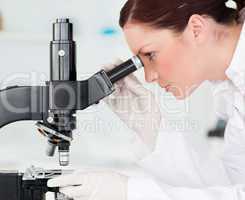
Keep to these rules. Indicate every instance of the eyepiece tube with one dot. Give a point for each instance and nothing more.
(125, 69)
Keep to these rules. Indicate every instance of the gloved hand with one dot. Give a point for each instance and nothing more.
(136, 107)
(98, 185)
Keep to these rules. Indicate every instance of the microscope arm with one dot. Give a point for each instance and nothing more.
(22, 103)
(79, 95)
(32, 102)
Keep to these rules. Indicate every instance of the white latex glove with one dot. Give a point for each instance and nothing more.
(135, 106)
(98, 185)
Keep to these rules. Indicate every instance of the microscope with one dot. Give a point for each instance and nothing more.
(53, 107)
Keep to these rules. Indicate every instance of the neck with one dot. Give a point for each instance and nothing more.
(227, 42)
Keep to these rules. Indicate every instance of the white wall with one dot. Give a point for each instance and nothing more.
(100, 138)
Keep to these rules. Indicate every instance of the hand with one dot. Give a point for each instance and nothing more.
(99, 185)
(136, 107)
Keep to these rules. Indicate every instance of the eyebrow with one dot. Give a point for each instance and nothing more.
(139, 52)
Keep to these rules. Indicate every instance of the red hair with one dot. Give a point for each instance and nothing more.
(175, 14)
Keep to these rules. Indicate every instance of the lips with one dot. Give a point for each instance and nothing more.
(167, 87)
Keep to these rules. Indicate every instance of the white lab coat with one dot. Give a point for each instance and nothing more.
(192, 182)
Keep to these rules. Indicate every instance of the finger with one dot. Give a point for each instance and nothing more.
(73, 192)
(135, 86)
(118, 61)
(112, 65)
(65, 180)
(108, 67)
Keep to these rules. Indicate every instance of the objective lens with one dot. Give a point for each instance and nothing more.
(64, 157)
(50, 150)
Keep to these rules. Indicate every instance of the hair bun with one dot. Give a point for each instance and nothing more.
(240, 4)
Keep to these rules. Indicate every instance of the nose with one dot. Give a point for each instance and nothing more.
(150, 75)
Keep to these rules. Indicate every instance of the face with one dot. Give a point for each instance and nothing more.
(171, 60)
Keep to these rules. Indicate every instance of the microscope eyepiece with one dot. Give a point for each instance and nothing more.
(62, 30)
(137, 62)
(62, 20)
(125, 69)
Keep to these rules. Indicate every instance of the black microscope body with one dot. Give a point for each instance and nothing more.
(54, 105)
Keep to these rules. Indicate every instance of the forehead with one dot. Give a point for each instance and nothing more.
(139, 35)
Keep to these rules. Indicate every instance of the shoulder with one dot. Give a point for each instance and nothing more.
(224, 96)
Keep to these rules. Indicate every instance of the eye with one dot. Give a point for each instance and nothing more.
(151, 56)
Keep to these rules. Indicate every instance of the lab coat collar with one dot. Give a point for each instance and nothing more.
(236, 70)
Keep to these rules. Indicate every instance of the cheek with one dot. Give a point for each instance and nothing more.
(165, 68)
(169, 64)
(177, 67)
(176, 64)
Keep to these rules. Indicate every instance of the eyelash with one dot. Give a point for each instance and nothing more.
(150, 56)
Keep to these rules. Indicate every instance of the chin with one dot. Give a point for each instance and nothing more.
(182, 95)
(179, 97)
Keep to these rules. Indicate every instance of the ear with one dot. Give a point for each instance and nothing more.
(197, 28)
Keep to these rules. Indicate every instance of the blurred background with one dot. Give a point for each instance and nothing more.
(101, 138)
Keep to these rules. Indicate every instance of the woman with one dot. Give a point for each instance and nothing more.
(181, 43)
